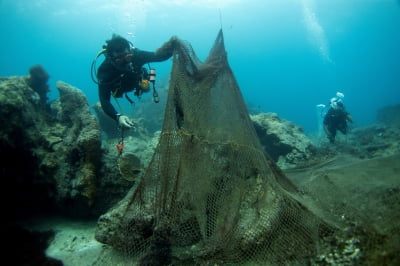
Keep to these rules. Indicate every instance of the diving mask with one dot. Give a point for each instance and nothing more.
(126, 58)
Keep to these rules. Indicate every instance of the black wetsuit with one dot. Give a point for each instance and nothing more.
(113, 80)
(335, 119)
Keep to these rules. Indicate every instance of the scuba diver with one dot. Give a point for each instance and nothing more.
(336, 119)
(122, 71)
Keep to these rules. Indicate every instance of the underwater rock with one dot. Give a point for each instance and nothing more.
(109, 224)
(282, 140)
(54, 161)
(22, 120)
(107, 124)
(389, 115)
(372, 141)
(37, 80)
(30, 249)
(76, 151)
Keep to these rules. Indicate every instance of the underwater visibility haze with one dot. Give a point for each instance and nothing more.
(288, 56)
(215, 186)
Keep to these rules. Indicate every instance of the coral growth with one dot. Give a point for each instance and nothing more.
(37, 80)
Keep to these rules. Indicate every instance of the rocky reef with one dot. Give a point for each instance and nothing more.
(282, 140)
(370, 141)
(60, 157)
(389, 115)
(37, 80)
(53, 159)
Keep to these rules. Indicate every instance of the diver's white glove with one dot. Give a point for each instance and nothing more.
(124, 122)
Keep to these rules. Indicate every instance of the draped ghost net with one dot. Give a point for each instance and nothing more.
(210, 194)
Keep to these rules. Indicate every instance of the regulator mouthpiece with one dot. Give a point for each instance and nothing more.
(155, 97)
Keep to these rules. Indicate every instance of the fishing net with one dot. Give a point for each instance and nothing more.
(210, 195)
(129, 166)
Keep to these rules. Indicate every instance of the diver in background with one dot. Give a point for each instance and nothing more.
(336, 119)
(122, 71)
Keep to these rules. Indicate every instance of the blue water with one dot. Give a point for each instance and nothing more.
(287, 55)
